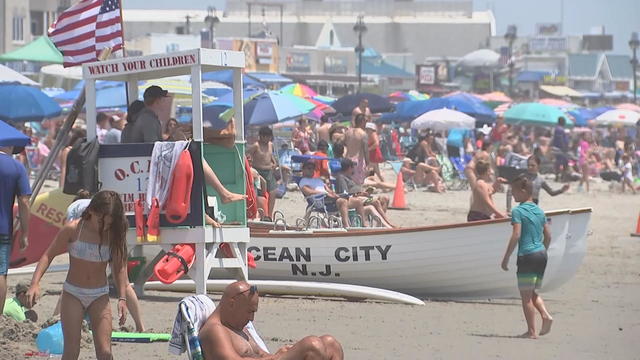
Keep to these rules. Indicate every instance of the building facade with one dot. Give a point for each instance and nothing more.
(22, 21)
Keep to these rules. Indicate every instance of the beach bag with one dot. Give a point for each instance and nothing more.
(82, 168)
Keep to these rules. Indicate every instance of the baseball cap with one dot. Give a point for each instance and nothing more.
(370, 126)
(154, 92)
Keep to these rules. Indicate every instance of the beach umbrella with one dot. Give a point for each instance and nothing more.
(412, 95)
(480, 58)
(10, 136)
(583, 115)
(26, 103)
(502, 108)
(215, 89)
(628, 106)
(534, 114)
(218, 112)
(325, 99)
(226, 77)
(443, 119)
(496, 96)
(11, 76)
(273, 106)
(298, 89)
(558, 103)
(618, 117)
(377, 103)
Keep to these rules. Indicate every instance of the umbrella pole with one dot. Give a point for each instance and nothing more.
(62, 137)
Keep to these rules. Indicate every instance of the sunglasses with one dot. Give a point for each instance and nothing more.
(252, 290)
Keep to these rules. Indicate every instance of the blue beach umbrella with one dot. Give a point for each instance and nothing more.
(273, 107)
(10, 136)
(20, 103)
(534, 114)
(226, 77)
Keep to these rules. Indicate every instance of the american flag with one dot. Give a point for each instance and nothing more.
(85, 29)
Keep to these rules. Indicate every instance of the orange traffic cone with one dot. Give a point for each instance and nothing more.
(637, 233)
(399, 202)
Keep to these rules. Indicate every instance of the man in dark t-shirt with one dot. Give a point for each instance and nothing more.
(148, 127)
(14, 182)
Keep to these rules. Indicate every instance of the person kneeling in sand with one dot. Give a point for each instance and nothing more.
(223, 335)
(18, 307)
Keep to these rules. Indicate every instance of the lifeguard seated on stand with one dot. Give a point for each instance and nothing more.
(147, 128)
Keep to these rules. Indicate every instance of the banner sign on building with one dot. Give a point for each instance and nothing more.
(298, 62)
(426, 74)
(548, 29)
(335, 64)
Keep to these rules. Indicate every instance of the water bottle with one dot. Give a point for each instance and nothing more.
(50, 339)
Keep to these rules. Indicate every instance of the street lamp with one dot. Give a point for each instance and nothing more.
(634, 43)
(360, 28)
(510, 36)
(212, 20)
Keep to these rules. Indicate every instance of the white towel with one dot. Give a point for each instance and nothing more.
(198, 309)
(163, 160)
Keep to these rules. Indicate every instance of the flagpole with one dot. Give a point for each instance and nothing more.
(124, 53)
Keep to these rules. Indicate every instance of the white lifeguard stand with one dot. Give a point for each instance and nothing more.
(122, 167)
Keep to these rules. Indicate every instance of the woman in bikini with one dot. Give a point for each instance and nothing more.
(93, 241)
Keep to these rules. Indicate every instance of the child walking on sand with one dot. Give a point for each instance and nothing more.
(529, 229)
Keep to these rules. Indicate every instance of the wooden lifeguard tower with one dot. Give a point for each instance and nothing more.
(124, 167)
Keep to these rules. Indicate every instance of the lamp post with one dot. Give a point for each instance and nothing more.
(211, 19)
(634, 43)
(360, 28)
(510, 36)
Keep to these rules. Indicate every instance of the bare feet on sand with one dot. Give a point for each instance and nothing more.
(230, 197)
(528, 335)
(546, 326)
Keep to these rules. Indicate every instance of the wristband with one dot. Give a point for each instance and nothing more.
(123, 299)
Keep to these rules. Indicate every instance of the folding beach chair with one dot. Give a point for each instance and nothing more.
(188, 323)
(462, 182)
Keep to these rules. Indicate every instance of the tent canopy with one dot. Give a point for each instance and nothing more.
(41, 50)
(560, 91)
(10, 75)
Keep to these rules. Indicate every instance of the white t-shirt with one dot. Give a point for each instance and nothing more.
(315, 183)
(626, 171)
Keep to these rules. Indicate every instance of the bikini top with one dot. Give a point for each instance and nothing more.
(89, 251)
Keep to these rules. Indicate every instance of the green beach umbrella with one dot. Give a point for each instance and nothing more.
(535, 114)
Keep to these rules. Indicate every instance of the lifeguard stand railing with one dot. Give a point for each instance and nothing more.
(124, 167)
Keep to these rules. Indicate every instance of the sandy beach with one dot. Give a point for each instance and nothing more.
(596, 314)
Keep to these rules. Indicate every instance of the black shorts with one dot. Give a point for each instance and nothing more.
(531, 270)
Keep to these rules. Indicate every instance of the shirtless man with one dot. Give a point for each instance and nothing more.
(323, 129)
(265, 163)
(362, 108)
(223, 335)
(356, 142)
(482, 205)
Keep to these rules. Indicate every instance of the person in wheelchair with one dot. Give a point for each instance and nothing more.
(323, 198)
(375, 206)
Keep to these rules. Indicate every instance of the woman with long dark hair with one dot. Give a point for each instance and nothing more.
(93, 241)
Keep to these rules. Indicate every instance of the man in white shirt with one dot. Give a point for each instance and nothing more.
(311, 186)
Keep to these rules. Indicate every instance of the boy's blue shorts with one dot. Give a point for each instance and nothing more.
(5, 253)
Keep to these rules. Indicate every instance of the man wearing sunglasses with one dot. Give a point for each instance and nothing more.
(223, 335)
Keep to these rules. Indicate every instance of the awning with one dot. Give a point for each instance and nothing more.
(74, 72)
(560, 91)
(41, 50)
(270, 78)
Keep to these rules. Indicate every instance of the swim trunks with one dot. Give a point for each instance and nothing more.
(477, 216)
(270, 178)
(531, 270)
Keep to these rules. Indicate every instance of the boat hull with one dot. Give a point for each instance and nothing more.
(440, 262)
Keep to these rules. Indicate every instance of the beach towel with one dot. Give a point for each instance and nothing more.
(163, 160)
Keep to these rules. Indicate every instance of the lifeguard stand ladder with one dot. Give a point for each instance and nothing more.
(124, 167)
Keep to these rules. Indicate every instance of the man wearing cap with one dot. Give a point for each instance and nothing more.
(148, 127)
(14, 182)
(17, 307)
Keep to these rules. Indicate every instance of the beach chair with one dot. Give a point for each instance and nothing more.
(193, 311)
(448, 172)
(462, 183)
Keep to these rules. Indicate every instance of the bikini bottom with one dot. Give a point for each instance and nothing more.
(84, 295)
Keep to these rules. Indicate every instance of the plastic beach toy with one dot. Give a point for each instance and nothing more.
(50, 339)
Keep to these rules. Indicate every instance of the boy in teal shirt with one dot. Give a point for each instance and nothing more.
(529, 229)
(15, 307)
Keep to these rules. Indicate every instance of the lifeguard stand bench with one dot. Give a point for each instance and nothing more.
(124, 167)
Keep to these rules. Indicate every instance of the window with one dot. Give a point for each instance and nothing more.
(37, 23)
(18, 28)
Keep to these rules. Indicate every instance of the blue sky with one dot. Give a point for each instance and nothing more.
(619, 17)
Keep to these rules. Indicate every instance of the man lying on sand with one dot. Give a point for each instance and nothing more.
(223, 336)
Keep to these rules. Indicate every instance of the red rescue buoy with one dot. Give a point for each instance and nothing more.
(175, 263)
(176, 208)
